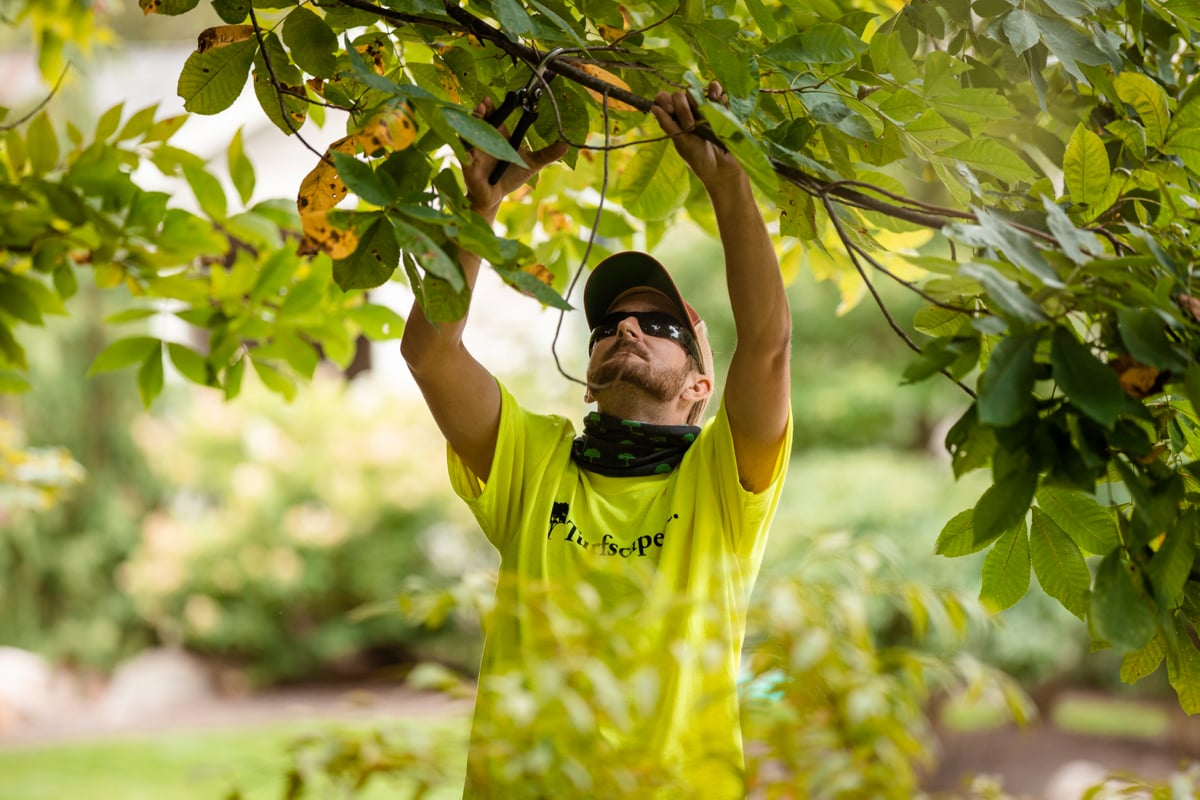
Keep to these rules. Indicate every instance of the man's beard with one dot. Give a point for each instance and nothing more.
(660, 383)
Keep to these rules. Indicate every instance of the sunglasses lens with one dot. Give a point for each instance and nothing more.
(652, 323)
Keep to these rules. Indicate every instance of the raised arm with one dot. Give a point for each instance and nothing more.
(460, 392)
(758, 388)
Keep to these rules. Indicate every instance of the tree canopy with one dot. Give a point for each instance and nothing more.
(1029, 169)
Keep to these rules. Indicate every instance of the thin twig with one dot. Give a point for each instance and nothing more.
(278, 86)
(586, 254)
(57, 85)
(852, 251)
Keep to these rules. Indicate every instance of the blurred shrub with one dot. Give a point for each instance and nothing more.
(291, 529)
(57, 587)
(32, 478)
(834, 709)
(829, 710)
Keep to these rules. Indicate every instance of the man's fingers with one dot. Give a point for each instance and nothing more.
(547, 155)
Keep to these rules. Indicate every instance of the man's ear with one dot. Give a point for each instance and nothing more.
(701, 388)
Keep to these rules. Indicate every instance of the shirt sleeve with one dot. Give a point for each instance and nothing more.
(747, 514)
(525, 445)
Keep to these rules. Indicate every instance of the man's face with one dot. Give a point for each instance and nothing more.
(658, 366)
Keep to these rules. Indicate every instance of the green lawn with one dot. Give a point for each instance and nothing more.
(206, 765)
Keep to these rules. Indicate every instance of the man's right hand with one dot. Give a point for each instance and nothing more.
(485, 198)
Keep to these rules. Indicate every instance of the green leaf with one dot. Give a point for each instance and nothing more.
(212, 80)
(513, 17)
(42, 143)
(764, 18)
(372, 262)
(173, 8)
(279, 89)
(1071, 47)
(1004, 505)
(1006, 570)
(124, 352)
(232, 11)
(190, 364)
(1191, 385)
(479, 134)
(1183, 669)
(1149, 100)
(1120, 611)
(560, 23)
(241, 171)
(16, 301)
(958, 536)
(1079, 246)
(1144, 333)
(542, 292)
(1140, 663)
(1089, 524)
(377, 322)
(1005, 391)
(938, 321)
(429, 255)
(1085, 167)
(823, 43)
(139, 124)
(1059, 564)
(150, 377)
(275, 380)
(362, 180)
(1171, 565)
(109, 121)
(233, 378)
(301, 356)
(1185, 143)
(1004, 292)
(11, 351)
(991, 157)
(654, 183)
(312, 42)
(1091, 386)
(208, 191)
(1021, 29)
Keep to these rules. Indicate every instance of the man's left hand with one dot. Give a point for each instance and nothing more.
(678, 117)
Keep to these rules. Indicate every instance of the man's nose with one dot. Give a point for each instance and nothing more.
(629, 327)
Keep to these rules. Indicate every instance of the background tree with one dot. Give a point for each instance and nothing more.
(1028, 170)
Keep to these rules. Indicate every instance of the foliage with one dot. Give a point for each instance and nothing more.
(57, 566)
(32, 478)
(836, 710)
(286, 541)
(829, 711)
(1040, 158)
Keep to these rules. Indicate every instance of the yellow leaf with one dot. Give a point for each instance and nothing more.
(611, 33)
(372, 54)
(222, 35)
(393, 129)
(109, 276)
(554, 221)
(321, 188)
(607, 77)
(321, 237)
(540, 272)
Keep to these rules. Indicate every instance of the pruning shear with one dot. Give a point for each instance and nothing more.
(527, 97)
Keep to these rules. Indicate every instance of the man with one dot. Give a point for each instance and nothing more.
(638, 540)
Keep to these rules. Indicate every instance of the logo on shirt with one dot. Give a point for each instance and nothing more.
(563, 529)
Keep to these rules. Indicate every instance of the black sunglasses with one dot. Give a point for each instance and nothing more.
(652, 323)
